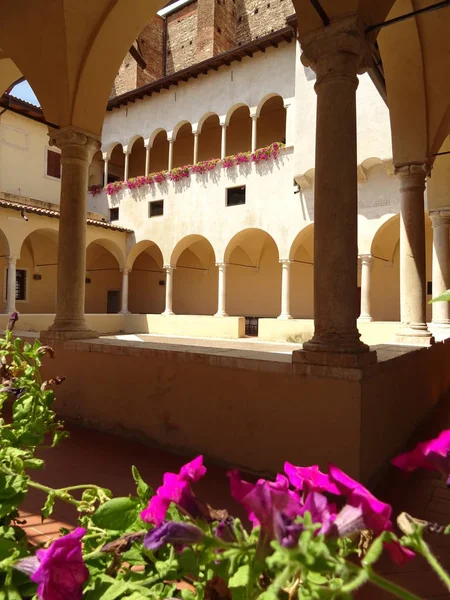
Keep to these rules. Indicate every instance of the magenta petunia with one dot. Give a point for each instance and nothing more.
(173, 532)
(264, 499)
(59, 571)
(321, 510)
(375, 514)
(433, 454)
(310, 479)
(176, 488)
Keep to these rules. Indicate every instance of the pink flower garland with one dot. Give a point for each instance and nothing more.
(179, 173)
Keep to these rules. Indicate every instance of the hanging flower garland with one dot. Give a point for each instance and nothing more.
(177, 174)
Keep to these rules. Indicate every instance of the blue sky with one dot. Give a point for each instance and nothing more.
(24, 92)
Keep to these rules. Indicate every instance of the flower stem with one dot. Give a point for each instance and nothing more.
(425, 550)
(390, 587)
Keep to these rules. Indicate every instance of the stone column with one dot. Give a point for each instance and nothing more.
(169, 166)
(195, 160)
(147, 157)
(169, 289)
(289, 132)
(125, 276)
(77, 148)
(285, 289)
(413, 291)
(441, 265)
(11, 285)
(105, 169)
(125, 169)
(254, 131)
(222, 290)
(366, 267)
(337, 54)
(223, 145)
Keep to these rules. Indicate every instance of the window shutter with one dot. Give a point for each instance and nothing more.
(53, 164)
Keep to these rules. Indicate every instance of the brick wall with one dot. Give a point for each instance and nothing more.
(197, 32)
(181, 39)
(257, 18)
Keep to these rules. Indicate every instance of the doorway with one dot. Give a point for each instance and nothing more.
(113, 301)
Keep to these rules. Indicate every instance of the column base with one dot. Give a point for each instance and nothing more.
(285, 317)
(69, 330)
(365, 318)
(335, 359)
(414, 337)
(221, 314)
(168, 313)
(444, 324)
(124, 312)
(336, 343)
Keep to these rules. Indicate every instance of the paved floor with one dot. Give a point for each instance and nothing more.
(97, 457)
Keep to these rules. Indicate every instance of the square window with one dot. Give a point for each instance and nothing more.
(113, 214)
(156, 209)
(236, 196)
(53, 164)
(21, 284)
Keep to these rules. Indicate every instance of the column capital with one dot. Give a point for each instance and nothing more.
(223, 121)
(75, 142)
(125, 270)
(285, 261)
(412, 175)
(222, 265)
(105, 156)
(366, 259)
(12, 259)
(169, 268)
(440, 217)
(337, 51)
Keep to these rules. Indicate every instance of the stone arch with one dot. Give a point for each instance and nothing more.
(39, 259)
(210, 136)
(147, 278)
(301, 255)
(178, 126)
(104, 260)
(96, 169)
(195, 278)
(239, 129)
(136, 159)
(116, 162)
(253, 274)
(271, 121)
(183, 144)
(159, 153)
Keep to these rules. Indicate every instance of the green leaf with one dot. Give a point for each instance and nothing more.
(11, 485)
(47, 509)
(33, 463)
(105, 588)
(144, 491)
(445, 297)
(117, 514)
(10, 592)
(240, 578)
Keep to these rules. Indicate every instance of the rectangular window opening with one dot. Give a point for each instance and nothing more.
(156, 208)
(236, 196)
(53, 164)
(21, 284)
(113, 214)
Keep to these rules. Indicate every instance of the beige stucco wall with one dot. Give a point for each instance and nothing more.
(186, 325)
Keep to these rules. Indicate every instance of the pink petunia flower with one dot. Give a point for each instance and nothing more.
(310, 479)
(433, 454)
(59, 571)
(176, 488)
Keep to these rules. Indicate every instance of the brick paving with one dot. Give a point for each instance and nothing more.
(98, 457)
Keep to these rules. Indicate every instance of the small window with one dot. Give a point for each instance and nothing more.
(21, 284)
(53, 164)
(236, 196)
(156, 209)
(429, 288)
(113, 214)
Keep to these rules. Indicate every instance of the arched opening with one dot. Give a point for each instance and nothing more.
(239, 131)
(146, 293)
(36, 272)
(159, 153)
(136, 160)
(116, 164)
(271, 122)
(103, 278)
(195, 278)
(96, 169)
(302, 274)
(183, 146)
(209, 139)
(253, 275)
(385, 273)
